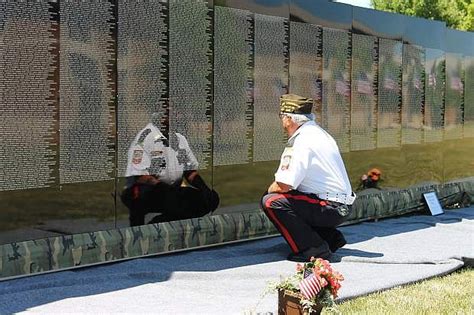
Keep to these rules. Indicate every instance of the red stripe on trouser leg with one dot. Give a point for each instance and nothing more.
(281, 227)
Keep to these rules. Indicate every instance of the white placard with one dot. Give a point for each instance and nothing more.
(433, 203)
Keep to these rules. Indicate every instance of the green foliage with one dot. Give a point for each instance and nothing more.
(458, 14)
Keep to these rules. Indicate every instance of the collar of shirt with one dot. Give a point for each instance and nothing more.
(155, 129)
(297, 132)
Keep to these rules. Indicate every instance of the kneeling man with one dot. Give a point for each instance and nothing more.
(311, 194)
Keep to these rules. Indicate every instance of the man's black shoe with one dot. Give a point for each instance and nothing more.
(333, 237)
(339, 242)
(305, 255)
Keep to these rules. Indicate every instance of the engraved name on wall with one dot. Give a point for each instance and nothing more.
(233, 86)
(28, 100)
(142, 69)
(413, 89)
(87, 93)
(364, 92)
(306, 62)
(453, 115)
(336, 86)
(434, 95)
(389, 93)
(271, 81)
(190, 74)
(469, 97)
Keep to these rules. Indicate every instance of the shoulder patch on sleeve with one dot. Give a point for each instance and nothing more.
(137, 156)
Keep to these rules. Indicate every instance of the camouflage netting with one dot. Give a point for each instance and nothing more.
(69, 251)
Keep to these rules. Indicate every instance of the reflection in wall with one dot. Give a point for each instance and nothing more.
(271, 81)
(454, 97)
(190, 74)
(389, 92)
(28, 108)
(434, 95)
(468, 97)
(412, 94)
(87, 106)
(306, 62)
(336, 86)
(79, 80)
(233, 86)
(142, 69)
(364, 92)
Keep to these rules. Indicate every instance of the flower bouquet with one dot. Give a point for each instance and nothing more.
(314, 286)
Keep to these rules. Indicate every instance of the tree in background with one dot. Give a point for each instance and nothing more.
(458, 14)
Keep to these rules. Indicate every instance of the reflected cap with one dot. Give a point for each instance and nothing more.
(295, 104)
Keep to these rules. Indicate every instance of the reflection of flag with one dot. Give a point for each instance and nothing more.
(456, 84)
(342, 88)
(364, 87)
(390, 84)
(431, 79)
(310, 286)
(417, 84)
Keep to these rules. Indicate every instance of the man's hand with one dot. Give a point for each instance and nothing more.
(277, 187)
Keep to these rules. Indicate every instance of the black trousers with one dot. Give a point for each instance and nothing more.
(304, 220)
(173, 202)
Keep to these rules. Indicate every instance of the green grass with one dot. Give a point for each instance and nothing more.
(451, 294)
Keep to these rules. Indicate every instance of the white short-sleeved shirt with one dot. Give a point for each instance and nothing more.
(150, 154)
(311, 163)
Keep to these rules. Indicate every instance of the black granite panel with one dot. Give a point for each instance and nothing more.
(87, 88)
(453, 111)
(459, 42)
(322, 12)
(306, 62)
(389, 93)
(336, 98)
(364, 92)
(271, 81)
(413, 89)
(468, 96)
(233, 85)
(267, 7)
(435, 78)
(143, 70)
(425, 33)
(378, 23)
(190, 74)
(28, 99)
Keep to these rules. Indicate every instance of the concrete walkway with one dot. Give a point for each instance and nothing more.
(231, 279)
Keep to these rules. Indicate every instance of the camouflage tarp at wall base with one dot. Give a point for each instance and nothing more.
(373, 203)
(68, 251)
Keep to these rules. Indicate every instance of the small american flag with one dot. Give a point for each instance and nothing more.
(309, 286)
(364, 87)
(431, 79)
(456, 84)
(342, 87)
(390, 84)
(417, 83)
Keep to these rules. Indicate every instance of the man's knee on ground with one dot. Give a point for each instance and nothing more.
(272, 201)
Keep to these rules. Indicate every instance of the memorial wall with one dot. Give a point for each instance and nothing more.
(83, 80)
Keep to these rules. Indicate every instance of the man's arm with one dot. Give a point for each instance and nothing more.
(277, 187)
(148, 180)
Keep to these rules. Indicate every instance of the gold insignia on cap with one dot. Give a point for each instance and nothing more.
(295, 104)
